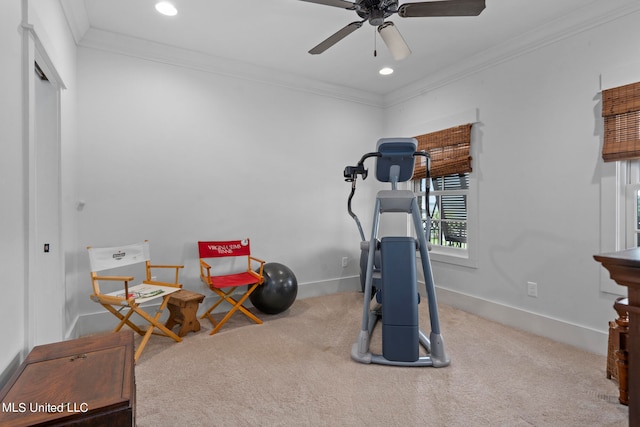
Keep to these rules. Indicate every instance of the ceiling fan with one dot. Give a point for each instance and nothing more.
(376, 11)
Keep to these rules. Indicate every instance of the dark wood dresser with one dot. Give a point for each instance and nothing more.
(624, 268)
(84, 382)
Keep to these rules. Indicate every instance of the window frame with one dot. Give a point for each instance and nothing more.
(466, 257)
(443, 254)
(629, 220)
(617, 226)
(614, 193)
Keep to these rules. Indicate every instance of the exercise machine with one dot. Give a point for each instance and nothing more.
(389, 274)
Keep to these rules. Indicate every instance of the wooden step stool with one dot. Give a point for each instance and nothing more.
(183, 309)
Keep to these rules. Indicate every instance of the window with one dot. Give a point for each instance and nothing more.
(447, 208)
(621, 112)
(450, 204)
(631, 218)
(621, 144)
(634, 226)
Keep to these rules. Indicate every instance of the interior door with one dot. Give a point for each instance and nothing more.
(46, 287)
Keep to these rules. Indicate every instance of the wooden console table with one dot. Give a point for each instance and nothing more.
(84, 382)
(624, 268)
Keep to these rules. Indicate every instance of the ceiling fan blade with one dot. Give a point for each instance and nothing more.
(336, 3)
(394, 41)
(442, 8)
(336, 37)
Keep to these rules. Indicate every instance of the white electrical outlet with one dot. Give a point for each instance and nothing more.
(345, 261)
(532, 289)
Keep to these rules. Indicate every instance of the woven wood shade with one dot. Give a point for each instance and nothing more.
(621, 112)
(449, 151)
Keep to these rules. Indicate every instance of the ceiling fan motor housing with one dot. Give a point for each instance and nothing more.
(376, 11)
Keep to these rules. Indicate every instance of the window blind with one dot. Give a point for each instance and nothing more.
(448, 149)
(621, 112)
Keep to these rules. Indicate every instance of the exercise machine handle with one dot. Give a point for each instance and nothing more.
(351, 172)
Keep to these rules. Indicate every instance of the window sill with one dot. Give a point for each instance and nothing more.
(453, 256)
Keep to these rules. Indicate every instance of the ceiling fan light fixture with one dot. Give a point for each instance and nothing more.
(166, 8)
(385, 71)
(394, 41)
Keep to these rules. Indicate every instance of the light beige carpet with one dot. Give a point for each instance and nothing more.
(295, 370)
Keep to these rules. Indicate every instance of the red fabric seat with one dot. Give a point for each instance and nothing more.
(233, 280)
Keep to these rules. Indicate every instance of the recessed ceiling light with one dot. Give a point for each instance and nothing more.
(386, 71)
(166, 8)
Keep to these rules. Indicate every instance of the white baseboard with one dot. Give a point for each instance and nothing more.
(103, 321)
(326, 287)
(588, 339)
(72, 331)
(578, 336)
(10, 369)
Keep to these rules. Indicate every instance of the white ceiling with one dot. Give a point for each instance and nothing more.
(277, 34)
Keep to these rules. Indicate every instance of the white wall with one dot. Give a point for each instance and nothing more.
(176, 155)
(12, 181)
(539, 172)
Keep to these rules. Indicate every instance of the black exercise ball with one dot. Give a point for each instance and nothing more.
(278, 291)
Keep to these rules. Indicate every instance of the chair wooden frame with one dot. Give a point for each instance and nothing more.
(225, 284)
(129, 298)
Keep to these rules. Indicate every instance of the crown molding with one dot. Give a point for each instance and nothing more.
(86, 36)
(157, 52)
(592, 15)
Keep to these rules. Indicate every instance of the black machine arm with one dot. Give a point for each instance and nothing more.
(351, 213)
(350, 175)
(428, 173)
(351, 172)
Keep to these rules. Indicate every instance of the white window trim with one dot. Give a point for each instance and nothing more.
(631, 207)
(615, 209)
(627, 184)
(458, 256)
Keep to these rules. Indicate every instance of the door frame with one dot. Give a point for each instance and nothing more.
(34, 51)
